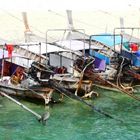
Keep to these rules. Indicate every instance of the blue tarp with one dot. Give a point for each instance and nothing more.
(99, 64)
(108, 39)
(100, 56)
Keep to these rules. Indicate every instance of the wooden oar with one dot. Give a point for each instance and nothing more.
(62, 90)
(40, 118)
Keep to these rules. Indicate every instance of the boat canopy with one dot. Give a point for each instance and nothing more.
(76, 45)
(59, 46)
(108, 39)
(44, 48)
(52, 48)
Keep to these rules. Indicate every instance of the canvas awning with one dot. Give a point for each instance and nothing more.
(76, 45)
(108, 39)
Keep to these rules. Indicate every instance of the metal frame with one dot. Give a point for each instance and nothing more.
(107, 35)
(60, 30)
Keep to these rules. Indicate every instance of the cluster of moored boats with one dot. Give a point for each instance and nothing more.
(70, 69)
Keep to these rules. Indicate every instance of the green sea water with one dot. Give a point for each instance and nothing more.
(72, 120)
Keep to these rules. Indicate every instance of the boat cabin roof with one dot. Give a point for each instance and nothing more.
(76, 45)
(108, 39)
(60, 46)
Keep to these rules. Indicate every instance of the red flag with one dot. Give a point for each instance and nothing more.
(10, 49)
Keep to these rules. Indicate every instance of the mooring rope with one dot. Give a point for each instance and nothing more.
(124, 91)
(82, 74)
(92, 75)
(119, 78)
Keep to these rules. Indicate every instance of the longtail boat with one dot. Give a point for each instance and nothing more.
(15, 82)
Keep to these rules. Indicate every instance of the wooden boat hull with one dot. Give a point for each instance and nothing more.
(73, 84)
(43, 96)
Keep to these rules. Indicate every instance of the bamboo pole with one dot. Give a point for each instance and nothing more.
(2, 70)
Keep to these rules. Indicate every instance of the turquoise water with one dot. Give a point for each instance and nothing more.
(71, 120)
